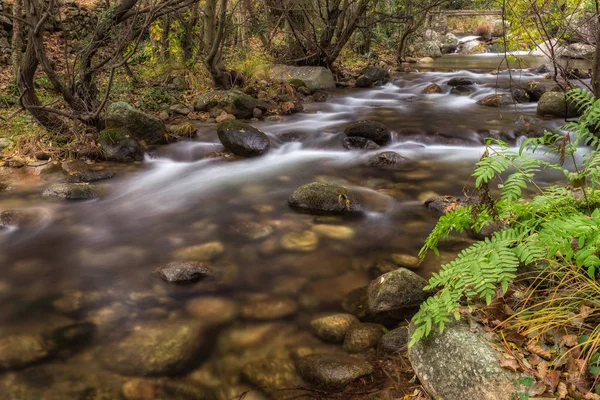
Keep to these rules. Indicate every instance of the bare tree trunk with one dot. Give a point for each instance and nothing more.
(164, 39)
(596, 65)
(187, 42)
(17, 37)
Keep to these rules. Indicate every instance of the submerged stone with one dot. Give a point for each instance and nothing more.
(154, 349)
(305, 241)
(184, 272)
(361, 337)
(269, 308)
(20, 351)
(319, 197)
(201, 252)
(71, 191)
(332, 372)
(372, 130)
(389, 160)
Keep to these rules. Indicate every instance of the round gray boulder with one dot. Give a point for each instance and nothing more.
(396, 294)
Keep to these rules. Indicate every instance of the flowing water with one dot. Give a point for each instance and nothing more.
(93, 261)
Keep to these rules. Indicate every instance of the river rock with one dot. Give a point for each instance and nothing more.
(371, 76)
(356, 302)
(580, 51)
(529, 127)
(333, 328)
(542, 69)
(116, 146)
(428, 48)
(212, 310)
(450, 38)
(201, 252)
(554, 104)
(320, 96)
(269, 308)
(80, 171)
(234, 101)
(154, 349)
(18, 218)
(443, 204)
(339, 232)
(389, 160)
(135, 123)
(332, 372)
(315, 78)
(460, 364)
(359, 143)
(432, 88)
(535, 90)
(462, 90)
(62, 381)
(406, 260)
(520, 95)
(372, 130)
(362, 337)
(394, 343)
(305, 241)
(496, 100)
(319, 197)
(71, 191)
(460, 82)
(397, 293)
(22, 350)
(272, 374)
(242, 139)
(179, 109)
(184, 271)
(251, 230)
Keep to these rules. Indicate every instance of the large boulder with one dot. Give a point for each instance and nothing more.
(372, 130)
(460, 81)
(429, 48)
(319, 197)
(554, 104)
(578, 51)
(432, 88)
(396, 294)
(372, 76)
(473, 47)
(242, 139)
(460, 364)
(234, 102)
(80, 171)
(315, 78)
(117, 146)
(135, 123)
(154, 349)
(359, 143)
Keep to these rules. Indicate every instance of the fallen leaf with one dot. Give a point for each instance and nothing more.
(551, 380)
(562, 390)
(515, 337)
(591, 396)
(509, 363)
(542, 369)
(585, 311)
(536, 349)
(569, 340)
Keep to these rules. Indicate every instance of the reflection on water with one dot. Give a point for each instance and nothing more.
(79, 297)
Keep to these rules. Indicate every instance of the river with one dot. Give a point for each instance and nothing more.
(89, 266)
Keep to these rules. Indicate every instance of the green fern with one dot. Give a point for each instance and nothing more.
(560, 223)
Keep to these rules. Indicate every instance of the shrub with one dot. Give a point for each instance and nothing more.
(483, 29)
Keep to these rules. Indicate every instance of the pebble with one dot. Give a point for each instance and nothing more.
(334, 231)
(305, 241)
(212, 310)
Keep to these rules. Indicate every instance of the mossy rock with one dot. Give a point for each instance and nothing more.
(117, 146)
(135, 123)
(296, 83)
(234, 101)
(72, 191)
(554, 104)
(496, 100)
(329, 198)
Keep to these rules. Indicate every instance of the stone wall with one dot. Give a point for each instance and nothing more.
(71, 19)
